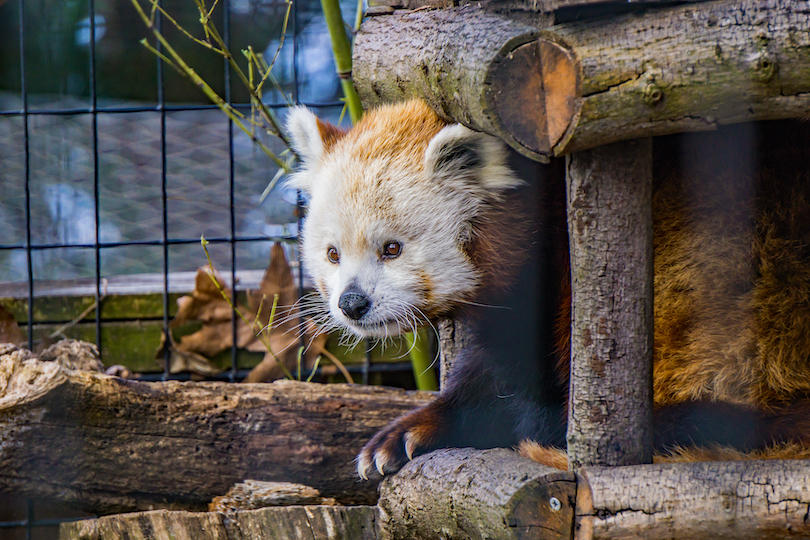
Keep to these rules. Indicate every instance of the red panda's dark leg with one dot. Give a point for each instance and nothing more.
(494, 399)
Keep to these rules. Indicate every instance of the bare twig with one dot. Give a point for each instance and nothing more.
(60, 331)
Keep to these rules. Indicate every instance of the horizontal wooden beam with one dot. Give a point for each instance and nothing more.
(106, 444)
(540, 6)
(552, 90)
(734, 500)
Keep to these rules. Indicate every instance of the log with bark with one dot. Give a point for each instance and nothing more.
(464, 493)
(106, 444)
(554, 89)
(721, 500)
(542, 6)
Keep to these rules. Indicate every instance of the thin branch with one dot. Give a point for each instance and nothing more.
(60, 331)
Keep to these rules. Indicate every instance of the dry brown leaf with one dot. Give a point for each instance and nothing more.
(206, 304)
(285, 341)
(180, 361)
(9, 330)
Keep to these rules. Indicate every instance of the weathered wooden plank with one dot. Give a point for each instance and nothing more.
(315, 522)
(133, 284)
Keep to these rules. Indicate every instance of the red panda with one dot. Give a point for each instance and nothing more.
(411, 219)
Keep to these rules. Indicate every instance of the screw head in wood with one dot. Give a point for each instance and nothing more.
(555, 504)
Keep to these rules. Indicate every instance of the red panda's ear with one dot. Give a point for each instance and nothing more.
(470, 161)
(309, 136)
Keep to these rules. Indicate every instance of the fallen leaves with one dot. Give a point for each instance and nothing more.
(9, 330)
(210, 303)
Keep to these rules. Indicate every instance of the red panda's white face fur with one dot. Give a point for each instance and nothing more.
(392, 207)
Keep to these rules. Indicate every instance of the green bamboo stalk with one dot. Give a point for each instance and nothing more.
(342, 50)
(421, 360)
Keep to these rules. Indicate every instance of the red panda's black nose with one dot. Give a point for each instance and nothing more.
(354, 304)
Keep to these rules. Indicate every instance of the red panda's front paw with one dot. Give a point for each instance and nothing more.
(413, 434)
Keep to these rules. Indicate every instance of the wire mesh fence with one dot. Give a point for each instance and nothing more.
(112, 167)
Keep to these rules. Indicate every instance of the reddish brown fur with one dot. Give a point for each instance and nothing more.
(557, 458)
(329, 134)
(496, 255)
(388, 137)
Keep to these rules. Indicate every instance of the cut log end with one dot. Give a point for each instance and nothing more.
(533, 91)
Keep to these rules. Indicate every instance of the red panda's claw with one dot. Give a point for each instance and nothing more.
(413, 434)
(385, 453)
(363, 463)
(380, 461)
(410, 445)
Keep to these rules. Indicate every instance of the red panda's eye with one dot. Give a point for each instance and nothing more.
(333, 255)
(391, 250)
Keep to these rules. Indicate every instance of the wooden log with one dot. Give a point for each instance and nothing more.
(477, 494)
(542, 6)
(109, 445)
(454, 336)
(611, 239)
(721, 500)
(551, 90)
(316, 522)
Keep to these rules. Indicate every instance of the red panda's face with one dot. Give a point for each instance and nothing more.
(389, 222)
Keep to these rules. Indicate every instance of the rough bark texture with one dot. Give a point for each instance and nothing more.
(543, 6)
(610, 231)
(723, 500)
(685, 68)
(454, 336)
(108, 445)
(476, 494)
(253, 494)
(315, 522)
(464, 493)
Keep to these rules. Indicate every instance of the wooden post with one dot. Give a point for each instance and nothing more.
(610, 230)
(454, 336)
